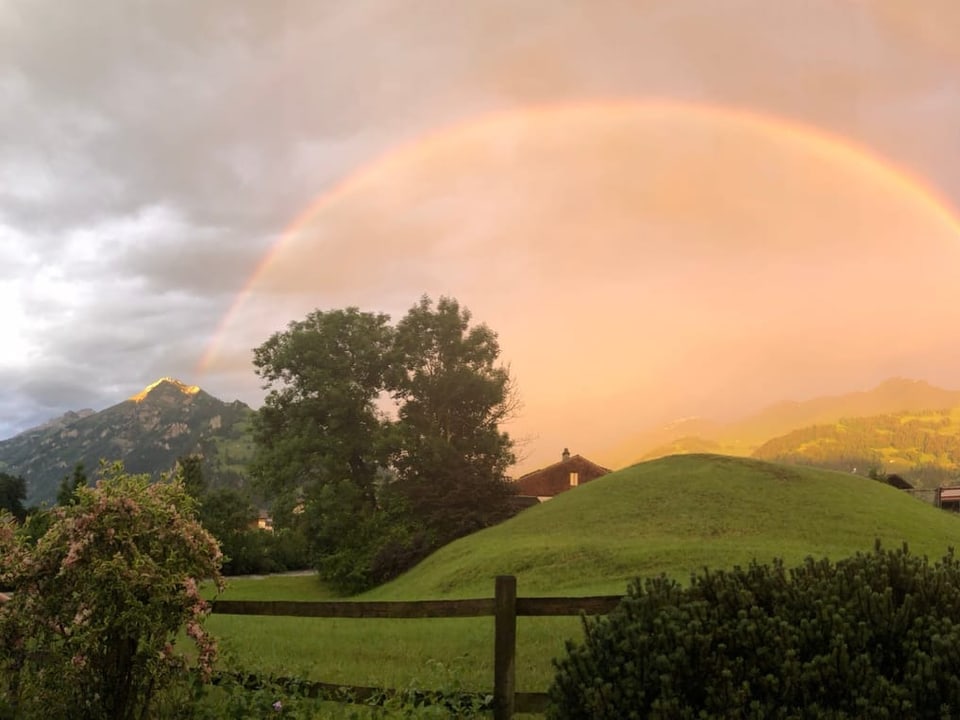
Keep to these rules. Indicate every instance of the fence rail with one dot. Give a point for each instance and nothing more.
(505, 607)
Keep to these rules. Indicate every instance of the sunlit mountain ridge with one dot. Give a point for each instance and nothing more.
(920, 445)
(746, 435)
(148, 432)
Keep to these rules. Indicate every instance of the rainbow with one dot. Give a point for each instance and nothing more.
(507, 123)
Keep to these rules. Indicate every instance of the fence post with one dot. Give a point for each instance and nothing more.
(504, 647)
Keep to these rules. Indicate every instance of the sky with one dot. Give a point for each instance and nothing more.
(665, 208)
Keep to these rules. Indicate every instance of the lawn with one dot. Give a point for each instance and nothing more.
(673, 515)
(436, 654)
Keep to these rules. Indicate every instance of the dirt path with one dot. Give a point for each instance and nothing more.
(292, 573)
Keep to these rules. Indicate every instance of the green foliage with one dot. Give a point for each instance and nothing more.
(225, 512)
(243, 695)
(319, 434)
(350, 538)
(98, 603)
(452, 460)
(874, 635)
(319, 422)
(377, 494)
(343, 526)
(67, 494)
(13, 492)
(230, 516)
(191, 470)
(35, 526)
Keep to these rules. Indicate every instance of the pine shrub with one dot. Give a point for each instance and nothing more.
(876, 635)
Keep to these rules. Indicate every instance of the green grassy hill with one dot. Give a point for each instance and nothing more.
(676, 515)
(672, 515)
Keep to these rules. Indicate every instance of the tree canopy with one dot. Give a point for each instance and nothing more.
(13, 491)
(67, 493)
(319, 423)
(388, 436)
(452, 396)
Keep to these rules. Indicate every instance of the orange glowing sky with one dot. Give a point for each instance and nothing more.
(641, 261)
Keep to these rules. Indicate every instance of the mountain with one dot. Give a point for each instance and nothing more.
(892, 396)
(923, 446)
(744, 436)
(147, 431)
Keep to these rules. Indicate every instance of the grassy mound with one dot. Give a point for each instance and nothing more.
(676, 515)
(673, 515)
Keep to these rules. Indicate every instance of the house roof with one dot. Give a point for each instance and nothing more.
(579, 460)
(553, 479)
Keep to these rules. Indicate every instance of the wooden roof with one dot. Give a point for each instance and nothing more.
(554, 479)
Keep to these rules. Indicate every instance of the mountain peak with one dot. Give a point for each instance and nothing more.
(148, 432)
(182, 387)
(898, 383)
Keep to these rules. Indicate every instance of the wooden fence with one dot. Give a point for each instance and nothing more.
(505, 607)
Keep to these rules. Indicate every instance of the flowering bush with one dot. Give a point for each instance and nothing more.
(91, 628)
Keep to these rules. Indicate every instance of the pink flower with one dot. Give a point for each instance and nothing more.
(190, 585)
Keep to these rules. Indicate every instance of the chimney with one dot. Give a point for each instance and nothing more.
(566, 454)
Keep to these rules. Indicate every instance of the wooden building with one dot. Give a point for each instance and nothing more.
(570, 472)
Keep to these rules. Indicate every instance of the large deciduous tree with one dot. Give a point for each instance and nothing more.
(377, 491)
(320, 436)
(452, 396)
(320, 424)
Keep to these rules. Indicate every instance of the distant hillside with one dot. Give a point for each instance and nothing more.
(676, 515)
(893, 396)
(744, 436)
(148, 431)
(922, 446)
(686, 446)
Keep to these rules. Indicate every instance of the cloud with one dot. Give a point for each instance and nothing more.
(152, 153)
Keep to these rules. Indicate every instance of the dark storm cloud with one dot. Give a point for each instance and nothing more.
(168, 101)
(46, 392)
(197, 105)
(198, 261)
(111, 355)
(130, 334)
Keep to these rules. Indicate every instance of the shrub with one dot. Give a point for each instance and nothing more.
(876, 635)
(92, 626)
(401, 549)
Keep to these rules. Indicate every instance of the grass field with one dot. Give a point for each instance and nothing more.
(674, 516)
